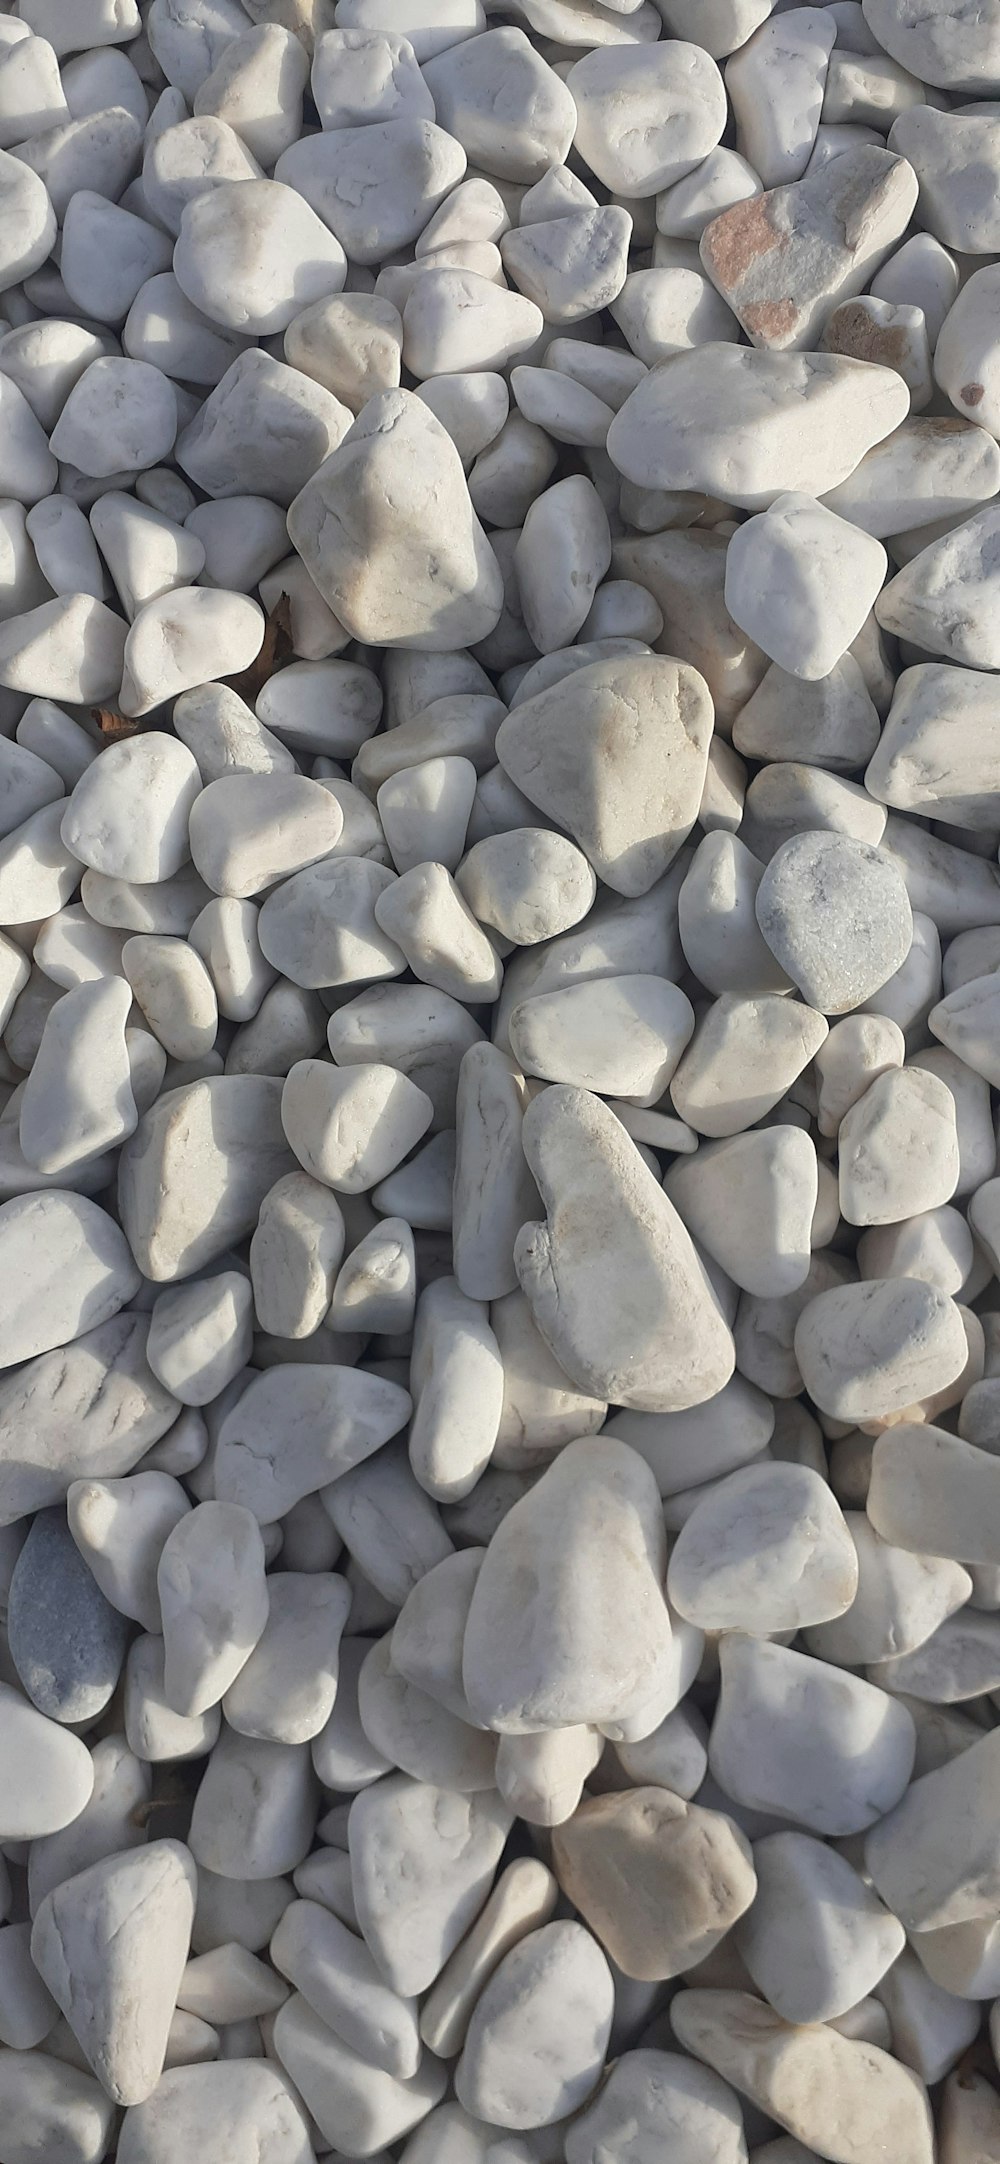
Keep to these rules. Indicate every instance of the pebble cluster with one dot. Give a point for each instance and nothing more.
(499, 1001)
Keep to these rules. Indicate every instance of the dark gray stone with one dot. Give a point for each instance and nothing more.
(66, 1641)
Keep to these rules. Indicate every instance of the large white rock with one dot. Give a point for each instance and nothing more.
(817, 1939)
(628, 1310)
(128, 814)
(675, 103)
(225, 2110)
(252, 254)
(93, 1407)
(352, 2102)
(870, 1351)
(50, 1772)
(535, 1656)
(375, 188)
(194, 1174)
(659, 1881)
(111, 1945)
(657, 2103)
(801, 582)
(387, 530)
(935, 1859)
(747, 426)
(299, 1426)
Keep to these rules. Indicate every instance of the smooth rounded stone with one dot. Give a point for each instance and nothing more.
(67, 1642)
(953, 155)
(676, 103)
(257, 86)
(52, 2109)
(456, 1377)
(933, 755)
(231, 444)
(934, 1493)
(172, 985)
(936, 1245)
(656, 2103)
(965, 359)
(776, 84)
(201, 1336)
(188, 157)
(669, 308)
(251, 254)
(28, 469)
(107, 254)
(959, 1662)
(255, 1810)
(454, 319)
(803, 1741)
(351, 2101)
(350, 1126)
(850, 2097)
(224, 934)
(946, 49)
(902, 1598)
(660, 1342)
(319, 926)
(674, 1755)
(424, 812)
(970, 2119)
(717, 921)
(941, 599)
(286, 1689)
(929, 468)
(64, 548)
(182, 639)
(493, 1190)
(49, 1773)
(683, 1450)
(744, 1056)
(213, 1601)
(964, 1022)
(428, 1634)
(146, 554)
(659, 1880)
(422, 1862)
(226, 2110)
(826, 572)
(617, 753)
(424, 914)
(421, 1031)
(194, 1174)
(388, 1524)
(522, 1900)
(28, 221)
(28, 782)
(536, 2041)
(119, 1527)
(162, 905)
(424, 577)
(871, 1351)
(339, 1981)
(109, 1822)
(620, 1035)
(750, 1203)
(111, 1944)
(415, 1732)
(573, 265)
(885, 331)
(244, 1912)
(817, 1940)
(248, 831)
(351, 343)
(120, 415)
(360, 76)
(748, 426)
(524, 1668)
(93, 1407)
(566, 409)
(836, 915)
(225, 735)
(294, 1255)
(768, 1551)
(375, 191)
(298, 1426)
(71, 1269)
(783, 260)
(829, 723)
(560, 558)
(242, 538)
(519, 135)
(69, 648)
(330, 707)
(344, 1759)
(26, 2010)
(961, 1958)
(934, 1860)
(155, 1732)
(78, 1098)
(898, 1148)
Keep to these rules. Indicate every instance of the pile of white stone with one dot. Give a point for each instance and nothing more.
(499, 1000)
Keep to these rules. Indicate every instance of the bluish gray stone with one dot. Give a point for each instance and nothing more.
(66, 1641)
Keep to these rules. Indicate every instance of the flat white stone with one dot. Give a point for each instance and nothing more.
(374, 191)
(250, 830)
(750, 1202)
(220, 2109)
(255, 1811)
(257, 86)
(50, 1771)
(128, 814)
(120, 1527)
(183, 638)
(285, 1691)
(351, 2101)
(213, 1601)
(68, 1268)
(78, 1099)
(935, 1859)
(818, 1940)
(827, 574)
(193, 1176)
(93, 1407)
(417, 1733)
(70, 648)
(231, 445)
(676, 104)
(522, 1900)
(252, 254)
(870, 1351)
(337, 1977)
(776, 83)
